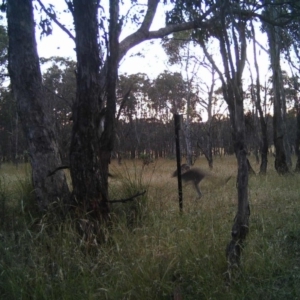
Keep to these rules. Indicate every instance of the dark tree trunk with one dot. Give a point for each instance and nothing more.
(209, 155)
(28, 91)
(93, 128)
(264, 144)
(282, 155)
(297, 144)
(241, 225)
(206, 146)
(89, 155)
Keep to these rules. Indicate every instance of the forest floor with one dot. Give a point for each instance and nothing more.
(151, 251)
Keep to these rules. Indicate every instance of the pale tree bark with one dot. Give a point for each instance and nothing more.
(26, 81)
(263, 124)
(282, 155)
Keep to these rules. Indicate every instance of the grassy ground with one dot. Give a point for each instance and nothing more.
(152, 251)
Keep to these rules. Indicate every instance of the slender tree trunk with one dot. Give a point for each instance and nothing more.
(187, 127)
(297, 144)
(209, 155)
(240, 227)
(282, 156)
(263, 124)
(187, 136)
(233, 95)
(28, 91)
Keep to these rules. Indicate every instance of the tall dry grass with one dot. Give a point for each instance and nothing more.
(153, 251)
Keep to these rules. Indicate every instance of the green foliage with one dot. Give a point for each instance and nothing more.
(164, 252)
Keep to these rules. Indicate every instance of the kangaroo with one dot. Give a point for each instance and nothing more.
(192, 175)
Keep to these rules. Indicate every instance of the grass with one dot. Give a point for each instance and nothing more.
(152, 251)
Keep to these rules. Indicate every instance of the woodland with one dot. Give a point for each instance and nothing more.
(77, 122)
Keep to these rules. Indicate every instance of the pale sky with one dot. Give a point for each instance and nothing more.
(152, 61)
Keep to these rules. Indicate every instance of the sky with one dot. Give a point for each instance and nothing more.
(152, 60)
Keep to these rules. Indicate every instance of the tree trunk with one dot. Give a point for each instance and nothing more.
(28, 91)
(263, 124)
(187, 136)
(241, 225)
(279, 129)
(93, 128)
(187, 125)
(297, 143)
(89, 154)
(209, 155)
(233, 95)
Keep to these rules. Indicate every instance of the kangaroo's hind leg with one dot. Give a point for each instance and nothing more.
(196, 185)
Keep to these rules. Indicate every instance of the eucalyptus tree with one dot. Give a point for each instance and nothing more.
(60, 83)
(230, 31)
(231, 35)
(256, 96)
(275, 35)
(167, 94)
(293, 57)
(3, 54)
(179, 51)
(133, 106)
(209, 102)
(9, 123)
(296, 90)
(99, 52)
(26, 82)
(172, 94)
(12, 143)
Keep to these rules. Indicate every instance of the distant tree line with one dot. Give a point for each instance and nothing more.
(144, 126)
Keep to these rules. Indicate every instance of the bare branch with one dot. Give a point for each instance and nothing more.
(127, 199)
(143, 33)
(54, 19)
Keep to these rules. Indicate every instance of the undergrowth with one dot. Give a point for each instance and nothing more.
(152, 251)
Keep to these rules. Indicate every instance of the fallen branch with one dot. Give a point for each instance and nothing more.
(127, 199)
(57, 169)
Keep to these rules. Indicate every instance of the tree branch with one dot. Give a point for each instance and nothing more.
(143, 33)
(127, 199)
(54, 19)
